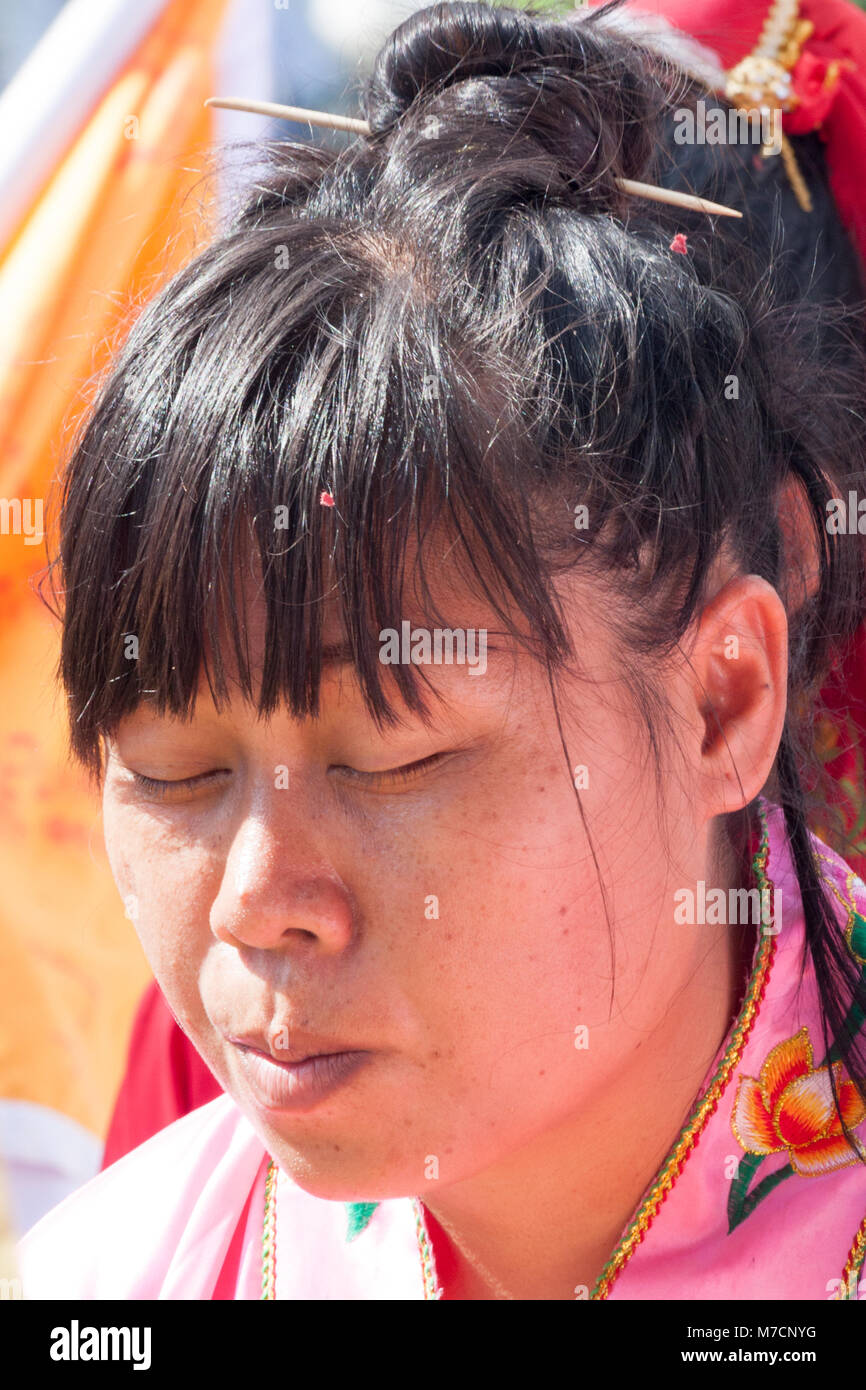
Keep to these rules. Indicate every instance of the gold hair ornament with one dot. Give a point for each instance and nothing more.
(762, 81)
(359, 127)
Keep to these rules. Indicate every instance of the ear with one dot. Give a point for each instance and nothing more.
(739, 669)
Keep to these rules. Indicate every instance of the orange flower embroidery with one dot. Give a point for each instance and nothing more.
(790, 1107)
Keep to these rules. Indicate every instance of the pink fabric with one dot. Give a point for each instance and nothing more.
(181, 1217)
(796, 1241)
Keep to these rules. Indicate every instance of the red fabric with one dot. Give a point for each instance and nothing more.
(165, 1078)
(838, 111)
(841, 746)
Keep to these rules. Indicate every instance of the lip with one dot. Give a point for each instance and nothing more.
(298, 1084)
(304, 1045)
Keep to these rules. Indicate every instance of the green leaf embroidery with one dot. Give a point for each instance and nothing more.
(739, 1205)
(359, 1214)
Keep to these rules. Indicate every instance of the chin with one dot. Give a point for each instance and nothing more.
(344, 1173)
(340, 1163)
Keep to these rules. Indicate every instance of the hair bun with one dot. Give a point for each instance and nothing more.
(588, 95)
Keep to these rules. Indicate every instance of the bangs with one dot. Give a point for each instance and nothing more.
(256, 382)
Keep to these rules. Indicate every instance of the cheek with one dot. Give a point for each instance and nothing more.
(167, 886)
(518, 955)
(522, 980)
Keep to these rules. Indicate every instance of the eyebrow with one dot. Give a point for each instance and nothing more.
(340, 653)
(336, 654)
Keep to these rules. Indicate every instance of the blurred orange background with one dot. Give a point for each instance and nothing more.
(125, 206)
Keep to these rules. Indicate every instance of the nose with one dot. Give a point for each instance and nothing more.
(279, 889)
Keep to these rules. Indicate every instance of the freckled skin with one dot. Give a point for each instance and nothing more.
(304, 907)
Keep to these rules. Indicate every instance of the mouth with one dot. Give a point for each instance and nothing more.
(300, 1078)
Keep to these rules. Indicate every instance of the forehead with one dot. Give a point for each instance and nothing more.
(437, 596)
(436, 590)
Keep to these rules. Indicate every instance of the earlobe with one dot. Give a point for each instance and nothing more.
(740, 661)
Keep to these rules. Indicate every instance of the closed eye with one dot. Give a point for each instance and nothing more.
(159, 787)
(403, 773)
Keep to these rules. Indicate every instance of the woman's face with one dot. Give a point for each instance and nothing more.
(302, 897)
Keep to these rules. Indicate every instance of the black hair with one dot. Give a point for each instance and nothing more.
(810, 259)
(462, 318)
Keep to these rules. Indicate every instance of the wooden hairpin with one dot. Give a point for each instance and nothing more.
(358, 127)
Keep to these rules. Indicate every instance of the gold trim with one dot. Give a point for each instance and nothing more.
(854, 1263)
(432, 1287)
(269, 1234)
(851, 907)
(673, 1166)
(795, 177)
(780, 32)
